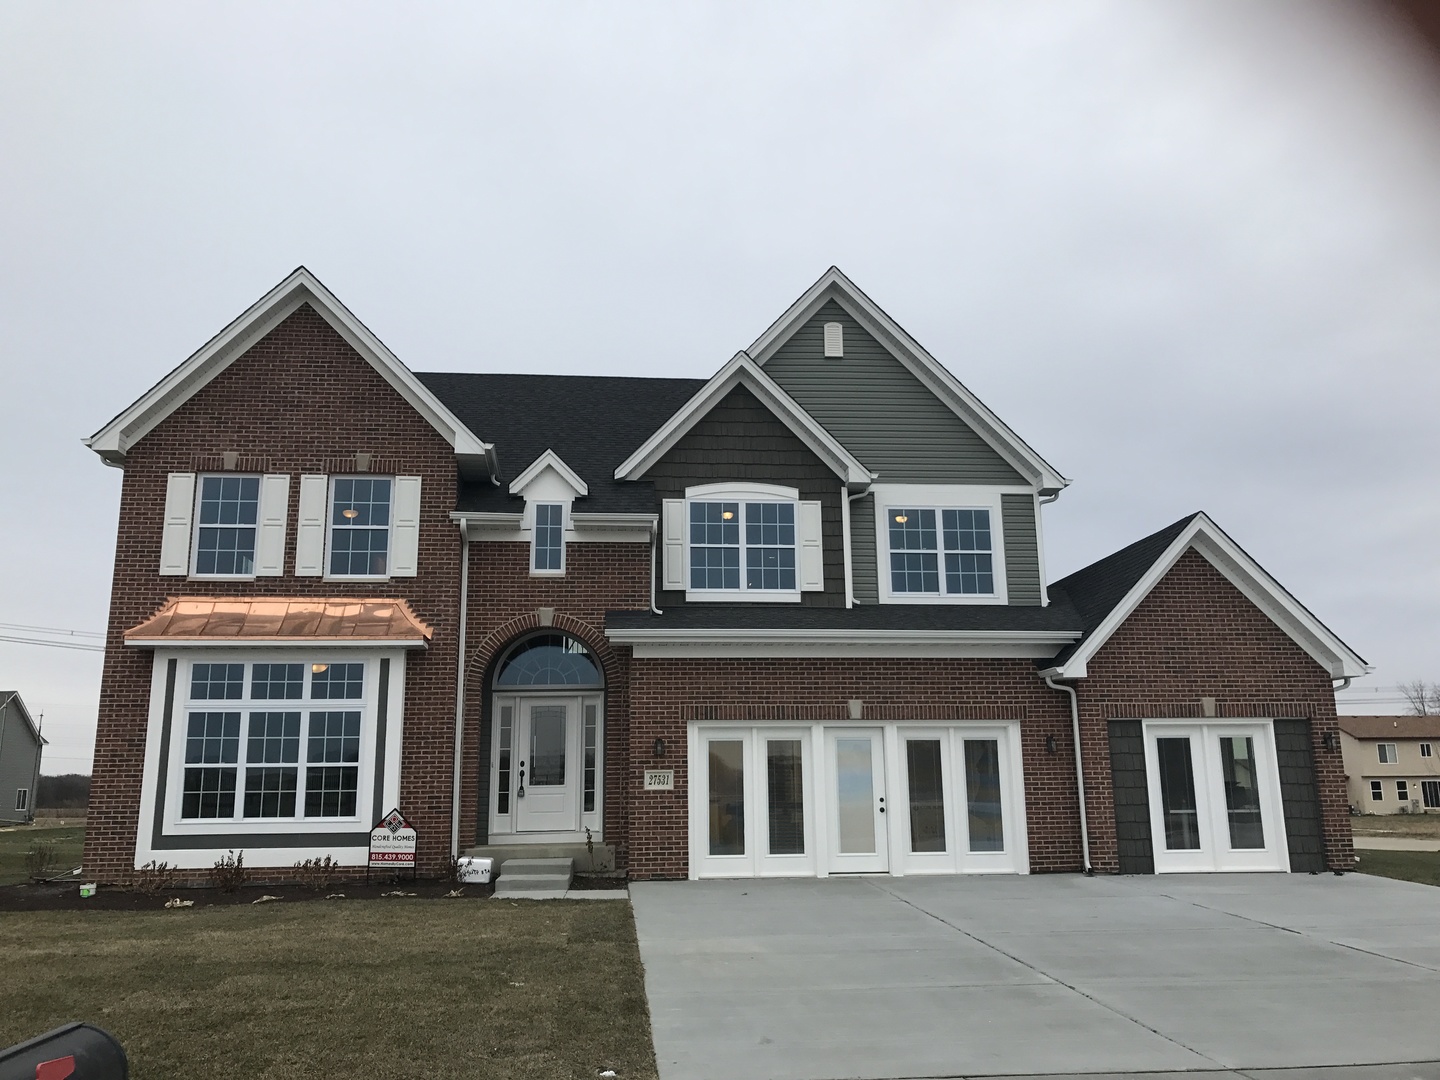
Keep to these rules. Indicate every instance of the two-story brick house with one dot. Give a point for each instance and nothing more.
(789, 620)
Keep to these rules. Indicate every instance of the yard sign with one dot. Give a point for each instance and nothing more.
(392, 844)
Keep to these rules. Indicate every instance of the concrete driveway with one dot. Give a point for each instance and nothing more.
(1216, 976)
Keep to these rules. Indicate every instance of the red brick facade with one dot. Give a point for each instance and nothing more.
(1195, 636)
(299, 401)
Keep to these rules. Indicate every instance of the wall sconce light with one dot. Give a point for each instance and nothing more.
(659, 747)
(1332, 741)
(1050, 744)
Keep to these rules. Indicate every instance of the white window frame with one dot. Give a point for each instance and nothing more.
(1393, 759)
(939, 498)
(1426, 750)
(1377, 790)
(534, 511)
(22, 799)
(195, 526)
(330, 528)
(367, 706)
(1402, 791)
(741, 494)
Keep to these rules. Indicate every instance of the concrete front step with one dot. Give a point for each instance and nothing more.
(534, 876)
(604, 859)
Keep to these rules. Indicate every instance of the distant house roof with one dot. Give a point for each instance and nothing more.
(1390, 727)
(593, 423)
(209, 620)
(12, 697)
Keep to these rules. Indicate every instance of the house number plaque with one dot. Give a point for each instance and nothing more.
(659, 779)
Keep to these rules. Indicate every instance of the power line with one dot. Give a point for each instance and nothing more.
(52, 644)
(52, 630)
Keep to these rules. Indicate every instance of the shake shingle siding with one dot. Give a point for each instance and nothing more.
(879, 411)
(741, 440)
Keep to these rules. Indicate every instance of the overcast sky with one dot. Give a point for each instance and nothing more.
(1190, 252)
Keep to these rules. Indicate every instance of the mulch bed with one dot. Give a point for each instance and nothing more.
(65, 895)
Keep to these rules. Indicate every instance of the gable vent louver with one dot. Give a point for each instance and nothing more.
(834, 340)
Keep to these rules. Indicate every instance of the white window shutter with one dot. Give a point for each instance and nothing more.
(310, 527)
(812, 562)
(674, 544)
(179, 514)
(405, 527)
(270, 535)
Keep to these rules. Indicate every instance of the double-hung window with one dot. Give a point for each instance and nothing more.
(547, 546)
(272, 740)
(226, 517)
(1402, 790)
(1377, 790)
(742, 546)
(937, 551)
(360, 526)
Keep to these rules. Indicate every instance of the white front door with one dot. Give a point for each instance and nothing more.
(855, 795)
(547, 751)
(1214, 797)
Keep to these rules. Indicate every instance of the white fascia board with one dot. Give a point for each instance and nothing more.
(1262, 590)
(742, 371)
(113, 441)
(834, 285)
(548, 460)
(818, 643)
(273, 643)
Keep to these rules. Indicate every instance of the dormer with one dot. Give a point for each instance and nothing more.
(549, 488)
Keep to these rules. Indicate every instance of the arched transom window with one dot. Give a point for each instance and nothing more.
(549, 660)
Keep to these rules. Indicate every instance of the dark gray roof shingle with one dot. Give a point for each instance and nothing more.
(1060, 618)
(593, 422)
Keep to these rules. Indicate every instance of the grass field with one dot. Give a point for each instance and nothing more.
(14, 843)
(1421, 866)
(1420, 825)
(378, 989)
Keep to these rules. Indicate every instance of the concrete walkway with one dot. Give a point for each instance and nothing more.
(1210, 975)
(1396, 843)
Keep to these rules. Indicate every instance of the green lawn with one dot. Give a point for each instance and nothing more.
(14, 843)
(376, 989)
(1421, 866)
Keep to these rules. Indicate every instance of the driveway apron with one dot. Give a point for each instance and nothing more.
(881, 977)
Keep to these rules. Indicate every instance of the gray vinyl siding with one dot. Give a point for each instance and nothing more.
(19, 762)
(1022, 550)
(1299, 796)
(864, 572)
(879, 411)
(1132, 797)
(740, 440)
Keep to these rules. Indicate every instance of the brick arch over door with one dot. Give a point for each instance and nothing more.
(476, 749)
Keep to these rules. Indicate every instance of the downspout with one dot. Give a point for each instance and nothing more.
(460, 690)
(1079, 768)
(846, 500)
(654, 542)
(1344, 683)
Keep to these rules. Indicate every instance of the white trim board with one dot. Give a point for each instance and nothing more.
(742, 371)
(834, 285)
(1028, 644)
(549, 460)
(113, 441)
(1262, 590)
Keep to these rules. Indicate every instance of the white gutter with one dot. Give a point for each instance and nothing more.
(460, 693)
(654, 543)
(1079, 768)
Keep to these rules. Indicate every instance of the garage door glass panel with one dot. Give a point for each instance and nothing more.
(547, 746)
(1242, 791)
(1177, 794)
(855, 790)
(727, 797)
(786, 796)
(927, 795)
(982, 791)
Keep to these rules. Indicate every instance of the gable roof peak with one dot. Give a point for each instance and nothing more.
(298, 288)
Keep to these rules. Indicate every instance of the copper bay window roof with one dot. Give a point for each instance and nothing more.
(213, 620)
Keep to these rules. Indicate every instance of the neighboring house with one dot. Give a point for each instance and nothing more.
(20, 747)
(789, 620)
(1391, 763)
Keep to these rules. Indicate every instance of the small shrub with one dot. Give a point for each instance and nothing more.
(155, 877)
(229, 872)
(317, 874)
(40, 859)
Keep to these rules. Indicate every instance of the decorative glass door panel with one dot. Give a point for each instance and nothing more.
(1214, 797)
(545, 753)
(855, 789)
